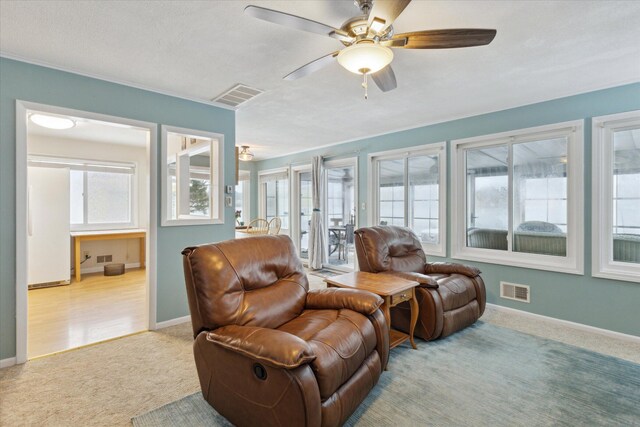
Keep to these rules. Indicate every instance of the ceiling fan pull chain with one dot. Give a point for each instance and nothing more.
(365, 86)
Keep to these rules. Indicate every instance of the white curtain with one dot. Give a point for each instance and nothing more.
(317, 247)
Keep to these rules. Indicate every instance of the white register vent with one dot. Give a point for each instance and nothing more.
(515, 292)
(237, 95)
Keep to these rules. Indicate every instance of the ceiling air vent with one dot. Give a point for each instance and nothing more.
(515, 292)
(237, 95)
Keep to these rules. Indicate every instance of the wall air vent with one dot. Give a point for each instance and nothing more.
(237, 95)
(515, 292)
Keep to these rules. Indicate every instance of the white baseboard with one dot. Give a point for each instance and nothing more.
(100, 268)
(173, 322)
(5, 363)
(574, 325)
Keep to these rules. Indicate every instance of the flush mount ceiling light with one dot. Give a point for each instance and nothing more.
(245, 155)
(52, 122)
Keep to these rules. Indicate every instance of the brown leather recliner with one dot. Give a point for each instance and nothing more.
(268, 351)
(450, 296)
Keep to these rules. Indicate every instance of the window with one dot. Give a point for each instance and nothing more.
(616, 196)
(102, 194)
(101, 199)
(274, 194)
(192, 174)
(520, 199)
(303, 207)
(243, 198)
(407, 192)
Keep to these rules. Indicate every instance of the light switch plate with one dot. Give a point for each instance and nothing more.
(229, 189)
(228, 201)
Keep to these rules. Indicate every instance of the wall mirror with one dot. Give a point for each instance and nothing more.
(192, 176)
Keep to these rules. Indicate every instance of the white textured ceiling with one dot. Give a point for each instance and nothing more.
(198, 49)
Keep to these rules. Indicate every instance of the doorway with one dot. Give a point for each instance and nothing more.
(86, 228)
(340, 213)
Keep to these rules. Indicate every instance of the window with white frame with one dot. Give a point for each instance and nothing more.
(616, 196)
(408, 192)
(274, 194)
(519, 198)
(192, 176)
(243, 198)
(101, 193)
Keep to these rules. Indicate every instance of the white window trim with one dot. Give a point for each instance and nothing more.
(439, 148)
(262, 197)
(602, 202)
(573, 263)
(217, 178)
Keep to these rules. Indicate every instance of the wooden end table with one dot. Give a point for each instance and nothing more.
(393, 290)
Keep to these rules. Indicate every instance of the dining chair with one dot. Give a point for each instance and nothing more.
(258, 226)
(274, 225)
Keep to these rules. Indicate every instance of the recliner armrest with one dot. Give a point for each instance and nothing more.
(337, 298)
(270, 346)
(424, 280)
(450, 268)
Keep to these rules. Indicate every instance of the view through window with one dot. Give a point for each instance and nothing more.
(538, 194)
(408, 193)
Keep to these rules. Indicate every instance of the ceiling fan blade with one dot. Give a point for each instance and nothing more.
(312, 66)
(444, 39)
(296, 22)
(385, 12)
(385, 79)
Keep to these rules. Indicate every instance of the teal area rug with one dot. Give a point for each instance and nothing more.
(484, 375)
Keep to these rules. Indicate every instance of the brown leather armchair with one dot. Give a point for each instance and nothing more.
(268, 351)
(450, 296)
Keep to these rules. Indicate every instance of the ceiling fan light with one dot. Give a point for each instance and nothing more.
(245, 155)
(52, 122)
(365, 58)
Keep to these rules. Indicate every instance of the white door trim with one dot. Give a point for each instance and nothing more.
(21, 211)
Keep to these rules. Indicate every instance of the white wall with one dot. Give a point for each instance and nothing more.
(123, 251)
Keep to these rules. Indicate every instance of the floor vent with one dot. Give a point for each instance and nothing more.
(237, 95)
(515, 292)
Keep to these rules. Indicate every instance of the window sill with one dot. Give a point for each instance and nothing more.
(619, 271)
(524, 260)
(434, 250)
(194, 221)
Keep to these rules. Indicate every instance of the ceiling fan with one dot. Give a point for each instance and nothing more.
(368, 38)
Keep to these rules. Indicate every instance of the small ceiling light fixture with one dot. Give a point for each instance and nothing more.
(52, 122)
(245, 155)
(364, 58)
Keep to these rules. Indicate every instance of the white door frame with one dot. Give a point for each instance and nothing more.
(296, 171)
(331, 164)
(21, 211)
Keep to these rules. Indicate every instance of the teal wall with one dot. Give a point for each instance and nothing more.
(602, 303)
(20, 81)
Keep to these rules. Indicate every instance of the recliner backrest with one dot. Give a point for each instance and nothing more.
(255, 281)
(389, 248)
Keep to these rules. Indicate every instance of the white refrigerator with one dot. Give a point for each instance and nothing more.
(48, 241)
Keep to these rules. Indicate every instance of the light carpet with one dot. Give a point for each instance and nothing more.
(485, 375)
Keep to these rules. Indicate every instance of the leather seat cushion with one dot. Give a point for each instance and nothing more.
(341, 341)
(455, 290)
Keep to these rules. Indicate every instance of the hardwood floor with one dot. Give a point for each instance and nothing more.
(96, 309)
